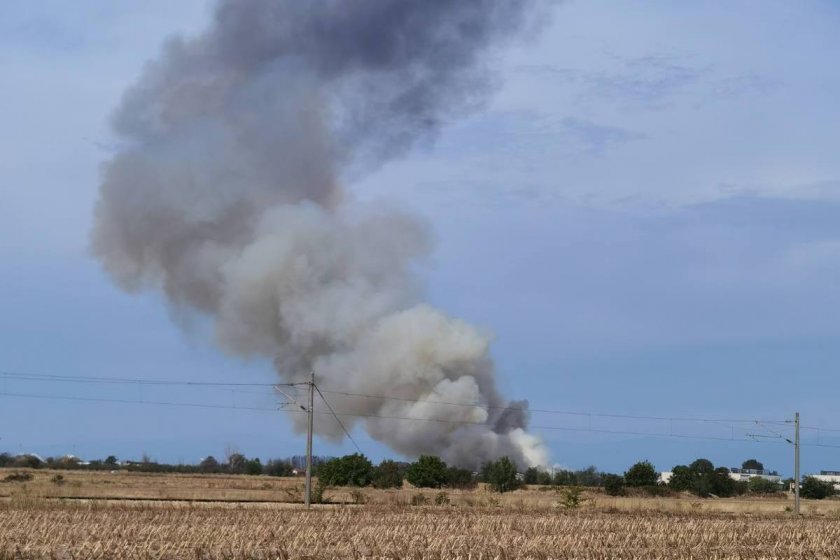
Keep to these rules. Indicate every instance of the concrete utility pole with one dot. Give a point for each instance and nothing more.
(796, 463)
(311, 412)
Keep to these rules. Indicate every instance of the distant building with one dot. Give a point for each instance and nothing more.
(828, 476)
(744, 475)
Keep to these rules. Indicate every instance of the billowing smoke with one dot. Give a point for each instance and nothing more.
(227, 196)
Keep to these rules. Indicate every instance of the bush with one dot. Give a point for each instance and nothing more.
(389, 474)
(358, 497)
(501, 475)
(18, 477)
(57, 479)
(442, 499)
(758, 485)
(614, 485)
(572, 497)
(642, 473)
(350, 470)
(418, 499)
(427, 472)
(815, 489)
(27, 461)
(317, 496)
(462, 479)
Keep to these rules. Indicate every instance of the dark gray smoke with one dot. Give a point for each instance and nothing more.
(227, 196)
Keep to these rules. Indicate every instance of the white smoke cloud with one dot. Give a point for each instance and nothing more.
(228, 199)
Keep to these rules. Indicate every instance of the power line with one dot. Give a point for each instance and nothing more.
(340, 423)
(562, 412)
(338, 415)
(129, 401)
(126, 381)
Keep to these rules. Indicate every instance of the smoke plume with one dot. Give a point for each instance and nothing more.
(227, 196)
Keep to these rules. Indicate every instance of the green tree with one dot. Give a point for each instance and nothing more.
(277, 467)
(614, 484)
(253, 467)
(752, 464)
(641, 474)
(209, 465)
(588, 476)
(427, 472)
(564, 478)
(237, 463)
(702, 478)
(111, 461)
(531, 475)
(349, 470)
(501, 475)
(816, 489)
(460, 478)
(389, 474)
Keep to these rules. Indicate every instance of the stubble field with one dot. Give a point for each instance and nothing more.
(478, 524)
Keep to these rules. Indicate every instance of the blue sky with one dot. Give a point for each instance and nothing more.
(645, 214)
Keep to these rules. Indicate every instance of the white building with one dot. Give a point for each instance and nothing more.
(744, 475)
(828, 476)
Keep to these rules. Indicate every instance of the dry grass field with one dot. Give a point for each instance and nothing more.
(131, 515)
(430, 532)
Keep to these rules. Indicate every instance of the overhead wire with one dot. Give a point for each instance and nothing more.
(560, 412)
(340, 423)
(338, 415)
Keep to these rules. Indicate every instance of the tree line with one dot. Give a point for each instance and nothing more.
(700, 477)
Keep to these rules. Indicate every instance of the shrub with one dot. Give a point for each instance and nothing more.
(642, 473)
(358, 497)
(427, 472)
(815, 489)
(442, 499)
(614, 485)
(18, 477)
(57, 479)
(389, 474)
(418, 499)
(27, 461)
(758, 485)
(572, 497)
(317, 496)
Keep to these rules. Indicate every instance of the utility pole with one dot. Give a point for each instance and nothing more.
(311, 412)
(796, 463)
